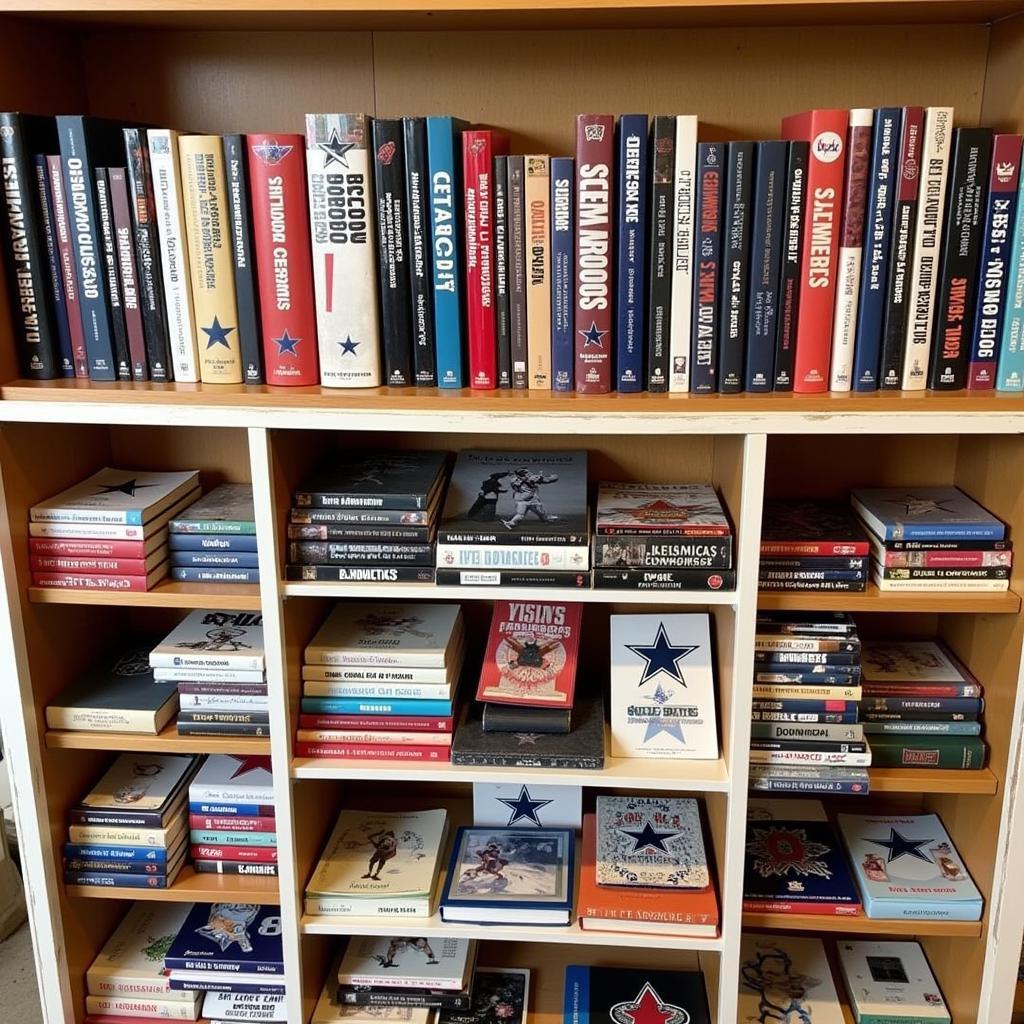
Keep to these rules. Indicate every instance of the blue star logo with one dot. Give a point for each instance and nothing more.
(657, 725)
(286, 345)
(661, 656)
(898, 846)
(335, 151)
(348, 346)
(648, 838)
(592, 336)
(217, 335)
(523, 807)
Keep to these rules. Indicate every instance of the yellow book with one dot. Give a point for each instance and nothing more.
(538, 272)
(208, 233)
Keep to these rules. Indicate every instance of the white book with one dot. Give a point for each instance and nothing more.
(233, 778)
(223, 702)
(961, 586)
(170, 219)
(812, 757)
(113, 531)
(341, 217)
(924, 272)
(515, 804)
(682, 266)
(662, 687)
(403, 962)
(213, 639)
(247, 1007)
(548, 557)
(778, 970)
(851, 248)
(135, 1007)
(357, 674)
(891, 983)
(190, 674)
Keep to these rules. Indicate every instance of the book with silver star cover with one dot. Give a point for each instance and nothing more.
(662, 687)
(651, 841)
(677, 510)
(783, 978)
(634, 995)
(924, 513)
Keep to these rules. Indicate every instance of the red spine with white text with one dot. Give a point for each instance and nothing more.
(280, 226)
(232, 823)
(253, 854)
(372, 752)
(74, 581)
(57, 563)
(595, 162)
(396, 723)
(825, 131)
(42, 546)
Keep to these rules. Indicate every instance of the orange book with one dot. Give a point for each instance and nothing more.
(629, 908)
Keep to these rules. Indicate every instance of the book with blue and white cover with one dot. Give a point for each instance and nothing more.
(229, 938)
(924, 513)
(245, 778)
(509, 804)
(783, 978)
(891, 983)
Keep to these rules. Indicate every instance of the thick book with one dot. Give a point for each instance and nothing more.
(563, 263)
(212, 639)
(683, 252)
(1010, 367)
(797, 967)
(518, 340)
(341, 207)
(65, 355)
(891, 983)
(417, 224)
(963, 753)
(630, 253)
(124, 246)
(790, 276)
(924, 513)
(708, 259)
(108, 259)
(502, 284)
(227, 509)
(660, 510)
(661, 237)
(800, 528)
(284, 268)
(510, 718)
(138, 790)
(374, 480)
(809, 779)
(652, 551)
(537, 233)
(228, 778)
(739, 186)
(595, 189)
(372, 961)
(229, 938)
(634, 993)
(66, 262)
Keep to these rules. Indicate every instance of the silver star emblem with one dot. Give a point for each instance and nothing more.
(526, 738)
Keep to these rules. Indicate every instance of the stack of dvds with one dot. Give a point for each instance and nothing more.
(921, 706)
(516, 519)
(108, 532)
(379, 682)
(805, 736)
(216, 658)
(236, 831)
(368, 517)
(130, 830)
(214, 540)
(662, 537)
(812, 545)
(933, 539)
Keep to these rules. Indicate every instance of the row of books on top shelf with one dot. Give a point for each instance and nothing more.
(209, 672)
(867, 249)
(827, 704)
(129, 529)
(935, 539)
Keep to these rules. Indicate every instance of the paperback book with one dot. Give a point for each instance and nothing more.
(407, 963)
(891, 983)
(126, 497)
(785, 972)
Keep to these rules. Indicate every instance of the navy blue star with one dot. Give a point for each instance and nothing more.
(218, 335)
(648, 838)
(897, 846)
(348, 345)
(129, 487)
(661, 656)
(523, 806)
(592, 336)
(287, 344)
(336, 151)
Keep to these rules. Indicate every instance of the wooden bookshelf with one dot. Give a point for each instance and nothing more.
(860, 926)
(933, 780)
(873, 600)
(168, 594)
(167, 741)
(193, 886)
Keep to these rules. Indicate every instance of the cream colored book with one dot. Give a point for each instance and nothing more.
(329, 1010)
(538, 272)
(211, 269)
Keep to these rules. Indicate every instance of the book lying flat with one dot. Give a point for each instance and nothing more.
(128, 497)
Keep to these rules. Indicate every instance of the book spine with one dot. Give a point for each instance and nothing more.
(851, 248)
(708, 256)
(765, 264)
(396, 691)
(1004, 180)
(372, 723)
(125, 246)
(115, 308)
(127, 566)
(538, 272)
(284, 268)
(422, 739)
(631, 253)
(662, 214)
(147, 263)
(822, 717)
(198, 804)
(87, 548)
(228, 848)
(64, 352)
(519, 344)
(1010, 370)
(199, 575)
(417, 216)
(595, 157)
(735, 265)
(244, 559)
(66, 255)
(563, 348)
(317, 552)
(502, 298)
(234, 867)
(965, 753)
(163, 156)
(237, 200)
(344, 266)
(224, 966)
(76, 581)
(372, 752)
(359, 573)
(352, 706)
(233, 823)
(682, 254)
(790, 277)
(805, 691)
(972, 156)
(351, 996)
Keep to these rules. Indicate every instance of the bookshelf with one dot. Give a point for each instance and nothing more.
(246, 65)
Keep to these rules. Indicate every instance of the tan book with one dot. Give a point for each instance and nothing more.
(538, 272)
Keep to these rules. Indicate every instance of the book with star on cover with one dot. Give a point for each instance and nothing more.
(514, 803)
(924, 513)
(677, 510)
(784, 971)
(233, 778)
(634, 995)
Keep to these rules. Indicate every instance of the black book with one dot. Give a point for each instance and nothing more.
(421, 271)
(326, 531)
(392, 250)
(792, 257)
(512, 718)
(961, 253)
(635, 994)
(122, 358)
(392, 480)
(708, 260)
(186, 728)
(810, 522)
(326, 552)
(361, 995)
(233, 867)
(246, 294)
(32, 297)
(516, 211)
(198, 716)
(659, 314)
(359, 573)
(502, 303)
(147, 254)
(739, 182)
(65, 352)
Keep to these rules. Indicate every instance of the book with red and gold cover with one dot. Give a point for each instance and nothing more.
(531, 654)
(811, 528)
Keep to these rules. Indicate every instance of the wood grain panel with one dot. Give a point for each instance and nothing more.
(1003, 99)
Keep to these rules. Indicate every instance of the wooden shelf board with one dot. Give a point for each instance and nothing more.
(195, 886)
(1018, 998)
(859, 925)
(933, 780)
(873, 600)
(167, 741)
(168, 594)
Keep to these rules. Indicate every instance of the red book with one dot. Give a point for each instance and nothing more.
(825, 130)
(479, 148)
(531, 654)
(252, 854)
(595, 162)
(125, 566)
(232, 823)
(284, 267)
(67, 265)
(786, 907)
(372, 752)
(368, 723)
(124, 241)
(920, 690)
(93, 548)
(85, 581)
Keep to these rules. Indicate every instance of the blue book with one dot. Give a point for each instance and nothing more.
(355, 706)
(195, 574)
(93, 866)
(216, 559)
(65, 355)
(707, 268)
(1010, 371)
(203, 837)
(631, 253)
(127, 854)
(241, 810)
(563, 274)
(924, 513)
(210, 542)
(906, 867)
(234, 938)
(115, 879)
(769, 201)
(229, 984)
(874, 271)
(444, 162)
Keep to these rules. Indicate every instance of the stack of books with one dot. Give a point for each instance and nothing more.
(214, 540)
(108, 532)
(933, 539)
(379, 864)
(921, 706)
(890, 981)
(236, 831)
(807, 682)
(798, 968)
(516, 519)
(662, 537)
(368, 517)
(812, 545)
(216, 659)
(645, 868)
(130, 829)
(379, 682)
(127, 979)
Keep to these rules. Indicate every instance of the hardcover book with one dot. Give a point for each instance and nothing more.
(332, 1009)
(924, 513)
(246, 1007)
(244, 778)
(515, 268)
(226, 509)
(634, 994)
(108, 254)
(147, 787)
(660, 240)
(417, 220)
(684, 256)
(499, 994)
(732, 328)
(374, 480)
(789, 975)
(375, 961)
(684, 510)
(509, 804)
(233, 938)
(707, 256)
(811, 528)
(502, 283)
(914, 662)
(212, 639)
(537, 232)
(563, 263)
(630, 253)
(64, 354)
(129, 282)
(891, 983)
(792, 264)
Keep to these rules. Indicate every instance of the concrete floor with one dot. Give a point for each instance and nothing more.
(18, 979)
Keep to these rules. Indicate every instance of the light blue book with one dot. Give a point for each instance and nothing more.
(357, 706)
(202, 837)
(1010, 369)
(924, 513)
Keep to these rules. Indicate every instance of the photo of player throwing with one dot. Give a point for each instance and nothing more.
(525, 487)
(385, 846)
